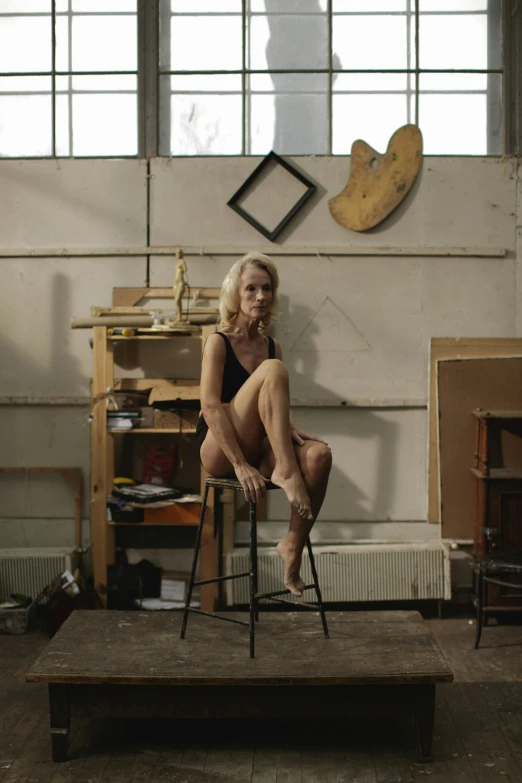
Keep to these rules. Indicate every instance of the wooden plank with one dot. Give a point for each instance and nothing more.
(365, 647)
(184, 389)
(455, 348)
(479, 730)
(463, 385)
(419, 251)
(209, 565)
(99, 467)
(131, 297)
(103, 311)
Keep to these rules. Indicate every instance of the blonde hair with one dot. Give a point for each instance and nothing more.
(229, 296)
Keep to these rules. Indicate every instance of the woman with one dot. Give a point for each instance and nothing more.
(246, 427)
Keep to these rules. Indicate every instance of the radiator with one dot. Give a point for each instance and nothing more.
(28, 571)
(391, 572)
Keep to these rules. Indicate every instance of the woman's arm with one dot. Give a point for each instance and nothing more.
(212, 367)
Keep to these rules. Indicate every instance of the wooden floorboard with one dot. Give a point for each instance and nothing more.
(477, 737)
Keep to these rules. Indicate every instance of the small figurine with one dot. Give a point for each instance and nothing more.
(180, 284)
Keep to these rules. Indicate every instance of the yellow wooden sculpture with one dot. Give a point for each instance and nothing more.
(378, 183)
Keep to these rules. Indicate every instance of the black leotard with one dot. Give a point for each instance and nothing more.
(234, 376)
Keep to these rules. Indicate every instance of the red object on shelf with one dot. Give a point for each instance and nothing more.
(160, 465)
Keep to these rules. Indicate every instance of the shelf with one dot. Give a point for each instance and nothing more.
(152, 524)
(498, 473)
(167, 336)
(502, 415)
(152, 431)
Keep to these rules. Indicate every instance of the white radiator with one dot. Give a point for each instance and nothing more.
(374, 572)
(28, 571)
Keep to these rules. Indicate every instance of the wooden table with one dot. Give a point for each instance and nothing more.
(133, 664)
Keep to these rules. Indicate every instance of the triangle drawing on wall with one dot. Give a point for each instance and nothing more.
(330, 330)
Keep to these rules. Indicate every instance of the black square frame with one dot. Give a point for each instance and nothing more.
(272, 157)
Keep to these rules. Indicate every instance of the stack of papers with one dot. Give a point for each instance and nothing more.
(157, 604)
(145, 493)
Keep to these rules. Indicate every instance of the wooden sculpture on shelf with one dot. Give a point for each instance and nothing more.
(378, 183)
(180, 284)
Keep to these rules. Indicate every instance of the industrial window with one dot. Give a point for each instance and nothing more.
(246, 76)
(68, 78)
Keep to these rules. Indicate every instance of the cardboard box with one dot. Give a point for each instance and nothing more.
(169, 420)
(174, 514)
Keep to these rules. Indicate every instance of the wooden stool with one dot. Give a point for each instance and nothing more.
(252, 574)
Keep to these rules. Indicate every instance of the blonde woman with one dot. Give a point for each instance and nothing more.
(246, 427)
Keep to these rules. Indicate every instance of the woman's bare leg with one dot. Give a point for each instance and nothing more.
(262, 406)
(315, 461)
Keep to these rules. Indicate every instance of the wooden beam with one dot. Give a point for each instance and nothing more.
(270, 250)
(99, 489)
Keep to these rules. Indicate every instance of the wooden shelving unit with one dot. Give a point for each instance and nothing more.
(103, 469)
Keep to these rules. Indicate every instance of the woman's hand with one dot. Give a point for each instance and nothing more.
(299, 436)
(253, 483)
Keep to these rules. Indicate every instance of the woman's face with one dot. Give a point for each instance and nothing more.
(255, 292)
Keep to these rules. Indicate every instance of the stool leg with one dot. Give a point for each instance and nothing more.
(252, 518)
(479, 587)
(194, 562)
(316, 585)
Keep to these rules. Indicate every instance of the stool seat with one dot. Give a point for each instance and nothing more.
(255, 597)
(226, 483)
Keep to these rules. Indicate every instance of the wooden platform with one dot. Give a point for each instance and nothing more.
(133, 664)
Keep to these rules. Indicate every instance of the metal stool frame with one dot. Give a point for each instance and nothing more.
(252, 574)
(483, 567)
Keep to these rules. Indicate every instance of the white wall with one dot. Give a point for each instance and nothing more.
(352, 328)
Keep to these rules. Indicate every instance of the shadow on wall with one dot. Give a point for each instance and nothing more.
(366, 425)
(47, 328)
(299, 41)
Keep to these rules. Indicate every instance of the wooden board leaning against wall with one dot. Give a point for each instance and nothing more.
(462, 386)
(455, 348)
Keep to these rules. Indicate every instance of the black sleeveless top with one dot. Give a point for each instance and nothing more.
(234, 376)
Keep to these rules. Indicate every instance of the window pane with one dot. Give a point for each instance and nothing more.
(464, 37)
(97, 124)
(354, 6)
(25, 6)
(291, 42)
(442, 82)
(372, 82)
(116, 83)
(90, 6)
(204, 6)
(292, 118)
(25, 43)
(99, 43)
(26, 117)
(363, 42)
(288, 6)
(475, 120)
(204, 43)
(203, 122)
(373, 118)
(453, 5)
(69, 86)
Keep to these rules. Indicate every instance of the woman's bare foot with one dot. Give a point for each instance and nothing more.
(292, 581)
(295, 490)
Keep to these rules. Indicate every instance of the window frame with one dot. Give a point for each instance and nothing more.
(148, 80)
